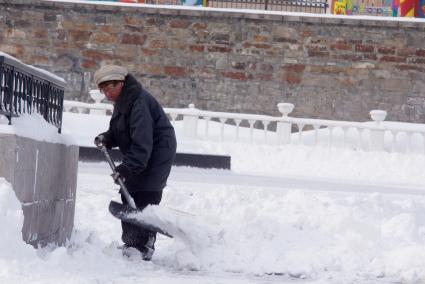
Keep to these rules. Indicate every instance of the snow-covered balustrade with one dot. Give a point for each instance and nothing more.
(374, 135)
(93, 108)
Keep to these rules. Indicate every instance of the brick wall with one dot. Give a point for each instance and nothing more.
(337, 68)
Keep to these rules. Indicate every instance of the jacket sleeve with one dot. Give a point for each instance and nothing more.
(141, 133)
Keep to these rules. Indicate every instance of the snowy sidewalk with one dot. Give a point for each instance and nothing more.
(223, 177)
(184, 174)
(265, 229)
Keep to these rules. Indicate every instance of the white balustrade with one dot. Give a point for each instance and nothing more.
(96, 108)
(375, 135)
(190, 122)
(284, 128)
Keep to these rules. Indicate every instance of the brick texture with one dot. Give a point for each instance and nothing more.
(228, 61)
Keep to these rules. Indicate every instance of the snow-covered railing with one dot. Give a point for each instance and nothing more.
(374, 135)
(25, 89)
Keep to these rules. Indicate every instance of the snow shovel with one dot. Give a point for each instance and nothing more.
(125, 212)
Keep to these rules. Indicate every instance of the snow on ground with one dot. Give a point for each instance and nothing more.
(260, 235)
(256, 232)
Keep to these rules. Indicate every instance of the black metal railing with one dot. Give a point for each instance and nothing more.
(307, 6)
(24, 89)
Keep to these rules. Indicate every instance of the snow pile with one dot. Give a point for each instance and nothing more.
(34, 126)
(303, 234)
(328, 163)
(181, 225)
(12, 248)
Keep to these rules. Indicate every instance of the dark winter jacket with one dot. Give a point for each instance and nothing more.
(144, 135)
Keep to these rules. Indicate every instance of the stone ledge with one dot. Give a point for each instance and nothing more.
(413, 23)
(44, 178)
(91, 154)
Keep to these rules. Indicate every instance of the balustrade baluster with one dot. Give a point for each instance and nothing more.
(410, 142)
(423, 141)
(316, 134)
(207, 123)
(251, 130)
(300, 133)
(222, 121)
(360, 134)
(394, 140)
(344, 142)
(173, 118)
(238, 122)
(331, 130)
(265, 124)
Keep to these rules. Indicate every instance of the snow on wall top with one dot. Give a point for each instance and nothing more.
(34, 127)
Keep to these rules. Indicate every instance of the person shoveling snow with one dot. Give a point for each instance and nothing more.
(142, 131)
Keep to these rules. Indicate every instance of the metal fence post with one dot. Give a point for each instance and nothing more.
(10, 96)
(284, 127)
(60, 114)
(376, 142)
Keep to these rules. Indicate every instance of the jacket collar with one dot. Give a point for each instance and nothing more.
(129, 93)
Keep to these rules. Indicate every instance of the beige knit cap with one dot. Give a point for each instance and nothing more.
(110, 73)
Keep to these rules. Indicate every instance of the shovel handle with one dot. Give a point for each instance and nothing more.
(124, 190)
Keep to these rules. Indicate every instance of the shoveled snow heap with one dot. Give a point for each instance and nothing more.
(182, 225)
(297, 233)
(11, 219)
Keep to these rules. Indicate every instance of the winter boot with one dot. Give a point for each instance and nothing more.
(131, 252)
(149, 248)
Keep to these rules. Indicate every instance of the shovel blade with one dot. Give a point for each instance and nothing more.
(125, 214)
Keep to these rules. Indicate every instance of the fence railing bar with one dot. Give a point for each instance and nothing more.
(26, 90)
(309, 6)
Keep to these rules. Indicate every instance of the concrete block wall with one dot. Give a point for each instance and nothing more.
(44, 178)
(235, 61)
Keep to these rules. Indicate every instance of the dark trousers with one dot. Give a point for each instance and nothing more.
(132, 235)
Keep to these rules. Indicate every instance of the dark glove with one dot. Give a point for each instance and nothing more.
(100, 141)
(122, 171)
